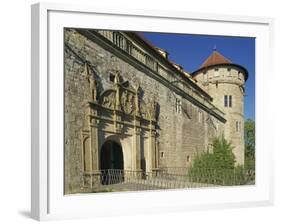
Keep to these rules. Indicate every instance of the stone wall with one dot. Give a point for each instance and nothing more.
(181, 132)
(228, 80)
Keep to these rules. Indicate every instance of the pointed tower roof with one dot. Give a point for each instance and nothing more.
(215, 59)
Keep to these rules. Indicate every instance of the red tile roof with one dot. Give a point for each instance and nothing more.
(218, 59)
(215, 59)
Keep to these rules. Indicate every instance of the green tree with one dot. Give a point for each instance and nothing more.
(221, 158)
(223, 155)
(217, 167)
(249, 132)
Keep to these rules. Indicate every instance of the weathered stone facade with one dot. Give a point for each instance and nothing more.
(119, 88)
(221, 81)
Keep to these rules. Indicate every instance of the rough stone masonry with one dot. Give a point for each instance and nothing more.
(127, 106)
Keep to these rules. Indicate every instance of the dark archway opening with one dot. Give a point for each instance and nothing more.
(111, 163)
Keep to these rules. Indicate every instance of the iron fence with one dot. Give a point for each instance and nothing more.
(122, 180)
(224, 177)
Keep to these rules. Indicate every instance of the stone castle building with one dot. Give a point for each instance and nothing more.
(128, 107)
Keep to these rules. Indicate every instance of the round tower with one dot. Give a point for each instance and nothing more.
(224, 82)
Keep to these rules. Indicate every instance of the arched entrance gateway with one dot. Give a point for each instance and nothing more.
(111, 163)
(111, 156)
(117, 113)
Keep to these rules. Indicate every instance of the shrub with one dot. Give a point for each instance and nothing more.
(249, 137)
(221, 158)
(217, 167)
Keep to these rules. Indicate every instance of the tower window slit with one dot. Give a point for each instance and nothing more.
(227, 101)
(230, 101)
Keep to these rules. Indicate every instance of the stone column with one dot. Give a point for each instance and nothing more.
(137, 133)
(136, 150)
(95, 143)
(117, 119)
(117, 89)
(90, 149)
(137, 101)
(86, 151)
(86, 161)
(156, 153)
(94, 133)
(117, 105)
(152, 148)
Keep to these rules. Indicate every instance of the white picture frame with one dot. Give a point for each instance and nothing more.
(48, 201)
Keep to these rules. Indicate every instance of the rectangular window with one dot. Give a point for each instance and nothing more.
(178, 105)
(240, 128)
(225, 101)
(230, 101)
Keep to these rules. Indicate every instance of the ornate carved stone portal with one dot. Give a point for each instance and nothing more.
(121, 112)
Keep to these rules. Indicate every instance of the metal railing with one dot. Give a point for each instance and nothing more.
(127, 180)
(111, 176)
(223, 177)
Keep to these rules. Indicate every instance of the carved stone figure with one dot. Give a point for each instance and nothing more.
(142, 108)
(117, 78)
(124, 100)
(85, 70)
(93, 88)
(127, 102)
(137, 99)
(108, 100)
(117, 88)
(151, 109)
(91, 80)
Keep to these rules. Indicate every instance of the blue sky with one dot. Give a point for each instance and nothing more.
(190, 51)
